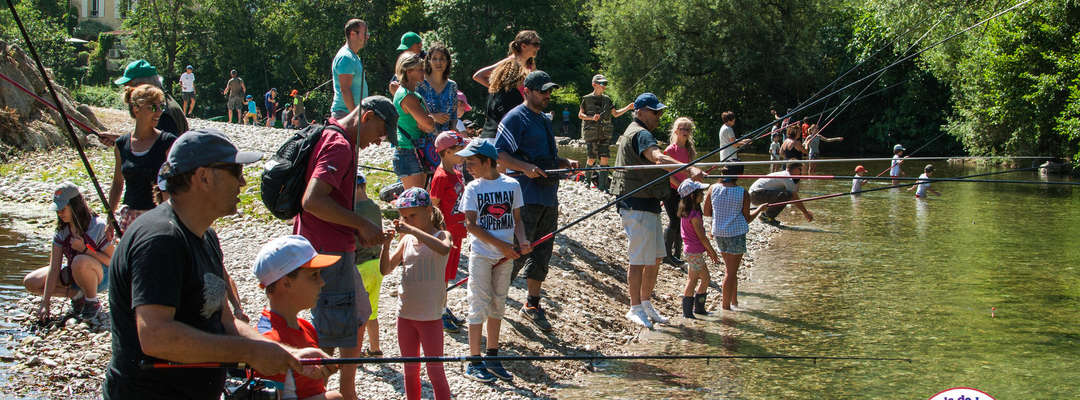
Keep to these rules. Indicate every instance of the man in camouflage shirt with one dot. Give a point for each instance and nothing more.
(596, 113)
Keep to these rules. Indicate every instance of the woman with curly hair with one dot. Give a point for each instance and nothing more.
(139, 155)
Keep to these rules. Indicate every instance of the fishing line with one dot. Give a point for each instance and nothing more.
(149, 365)
(64, 117)
(920, 180)
(829, 196)
(774, 162)
(663, 178)
(913, 152)
(375, 168)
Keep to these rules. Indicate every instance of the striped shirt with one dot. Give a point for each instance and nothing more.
(727, 205)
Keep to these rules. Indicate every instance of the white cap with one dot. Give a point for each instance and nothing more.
(689, 186)
(897, 148)
(284, 255)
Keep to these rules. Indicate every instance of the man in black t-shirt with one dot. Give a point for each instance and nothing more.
(168, 288)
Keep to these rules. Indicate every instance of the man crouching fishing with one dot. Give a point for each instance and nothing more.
(167, 285)
(641, 212)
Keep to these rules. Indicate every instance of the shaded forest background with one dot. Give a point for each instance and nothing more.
(1010, 87)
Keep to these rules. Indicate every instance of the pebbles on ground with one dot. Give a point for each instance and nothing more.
(585, 294)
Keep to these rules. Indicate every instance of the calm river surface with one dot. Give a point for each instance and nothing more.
(887, 275)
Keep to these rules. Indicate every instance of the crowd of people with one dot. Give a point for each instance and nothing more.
(171, 298)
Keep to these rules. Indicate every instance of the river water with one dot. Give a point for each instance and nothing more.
(882, 275)
(888, 275)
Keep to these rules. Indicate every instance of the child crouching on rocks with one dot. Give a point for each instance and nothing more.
(422, 251)
(695, 245)
(729, 206)
(492, 203)
(288, 269)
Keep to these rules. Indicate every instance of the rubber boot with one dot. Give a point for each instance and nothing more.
(603, 181)
(590, 178)
(688, 307)
(699, 304)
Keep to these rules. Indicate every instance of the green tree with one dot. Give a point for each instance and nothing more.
(48, 35)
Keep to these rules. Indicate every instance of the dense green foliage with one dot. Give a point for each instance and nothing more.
(45, 24)
(1011, 87)
(99, 96)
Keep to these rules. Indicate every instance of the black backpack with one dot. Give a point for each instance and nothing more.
(283, 182)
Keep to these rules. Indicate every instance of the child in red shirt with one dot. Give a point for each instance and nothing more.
(288, 269)
(446, 188)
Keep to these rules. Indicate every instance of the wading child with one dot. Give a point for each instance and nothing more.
(894, 168)
(492, 203)
(252, 110)
(79, 263)
(695, 245)
(774, 151)
(921, 187)
(288, 270)
(446, 187)
(729, 206)
(856, 184)
(422, 252)
(367, 263)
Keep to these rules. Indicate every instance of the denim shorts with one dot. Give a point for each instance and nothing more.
(406, 163)
(101, 287)
(732, 244)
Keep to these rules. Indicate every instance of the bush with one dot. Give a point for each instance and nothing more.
(89, 30)
(99, 96)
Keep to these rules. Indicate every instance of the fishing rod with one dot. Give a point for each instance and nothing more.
(876, 178)
(375, 168)
(773, 162)
(913, 152)
(22, 88)
(829, 196)
(680, 168)
(64, 117)
(149, 365)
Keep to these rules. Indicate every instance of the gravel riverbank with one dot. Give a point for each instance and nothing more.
(585, 293)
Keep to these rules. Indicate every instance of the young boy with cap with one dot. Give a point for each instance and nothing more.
(252, 110)
(187, 90)
(894, 168)
(288, 270)
(921, 187)
(492, 204)
(446, 188)
(856, 184)
(595, 113)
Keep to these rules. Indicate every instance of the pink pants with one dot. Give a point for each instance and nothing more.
(413, 334)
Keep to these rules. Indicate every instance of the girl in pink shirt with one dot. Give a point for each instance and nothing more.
(695, 246)
(681, 149)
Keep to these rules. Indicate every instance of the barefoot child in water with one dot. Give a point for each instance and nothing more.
(856, 184)
(729, 205)
(924, 186)
(695, 246)
(422, 254)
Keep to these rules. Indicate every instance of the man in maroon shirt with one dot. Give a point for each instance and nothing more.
(328, 222)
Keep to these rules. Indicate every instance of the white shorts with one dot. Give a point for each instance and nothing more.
(645, 235)
(487, 288)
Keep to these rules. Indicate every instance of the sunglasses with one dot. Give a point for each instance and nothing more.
(159, 107)
(236, 170)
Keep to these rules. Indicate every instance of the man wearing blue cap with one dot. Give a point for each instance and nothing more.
(187, 90)
(526, 144)
(641, 211)
(167, 284)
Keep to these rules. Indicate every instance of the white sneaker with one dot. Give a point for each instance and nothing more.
(637, 315)
(651, 312)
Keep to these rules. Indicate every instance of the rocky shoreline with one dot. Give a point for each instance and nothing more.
(585, 293)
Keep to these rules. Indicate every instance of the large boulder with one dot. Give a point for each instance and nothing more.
(25, 123)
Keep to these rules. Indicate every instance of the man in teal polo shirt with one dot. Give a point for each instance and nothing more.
(348, 71)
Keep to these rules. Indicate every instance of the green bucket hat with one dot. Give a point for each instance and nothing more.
(136, 69)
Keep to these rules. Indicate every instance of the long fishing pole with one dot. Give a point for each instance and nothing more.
(829, 196)
(375, 168)
(64, 117)
(773, 162)
(148, 365)
(41, 100)
(913, 153)
(882, 178)
(663, 178)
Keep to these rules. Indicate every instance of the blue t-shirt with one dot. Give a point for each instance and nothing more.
(346, 62)
(251, 107)
(269, 102)
(528, 132)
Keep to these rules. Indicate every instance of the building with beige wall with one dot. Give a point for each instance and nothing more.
(108, 12)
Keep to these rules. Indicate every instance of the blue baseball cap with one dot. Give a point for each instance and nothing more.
(189, 67)
(248, 96)
(413, 197)
(202, 147)
(650, 101)
(481, 147)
